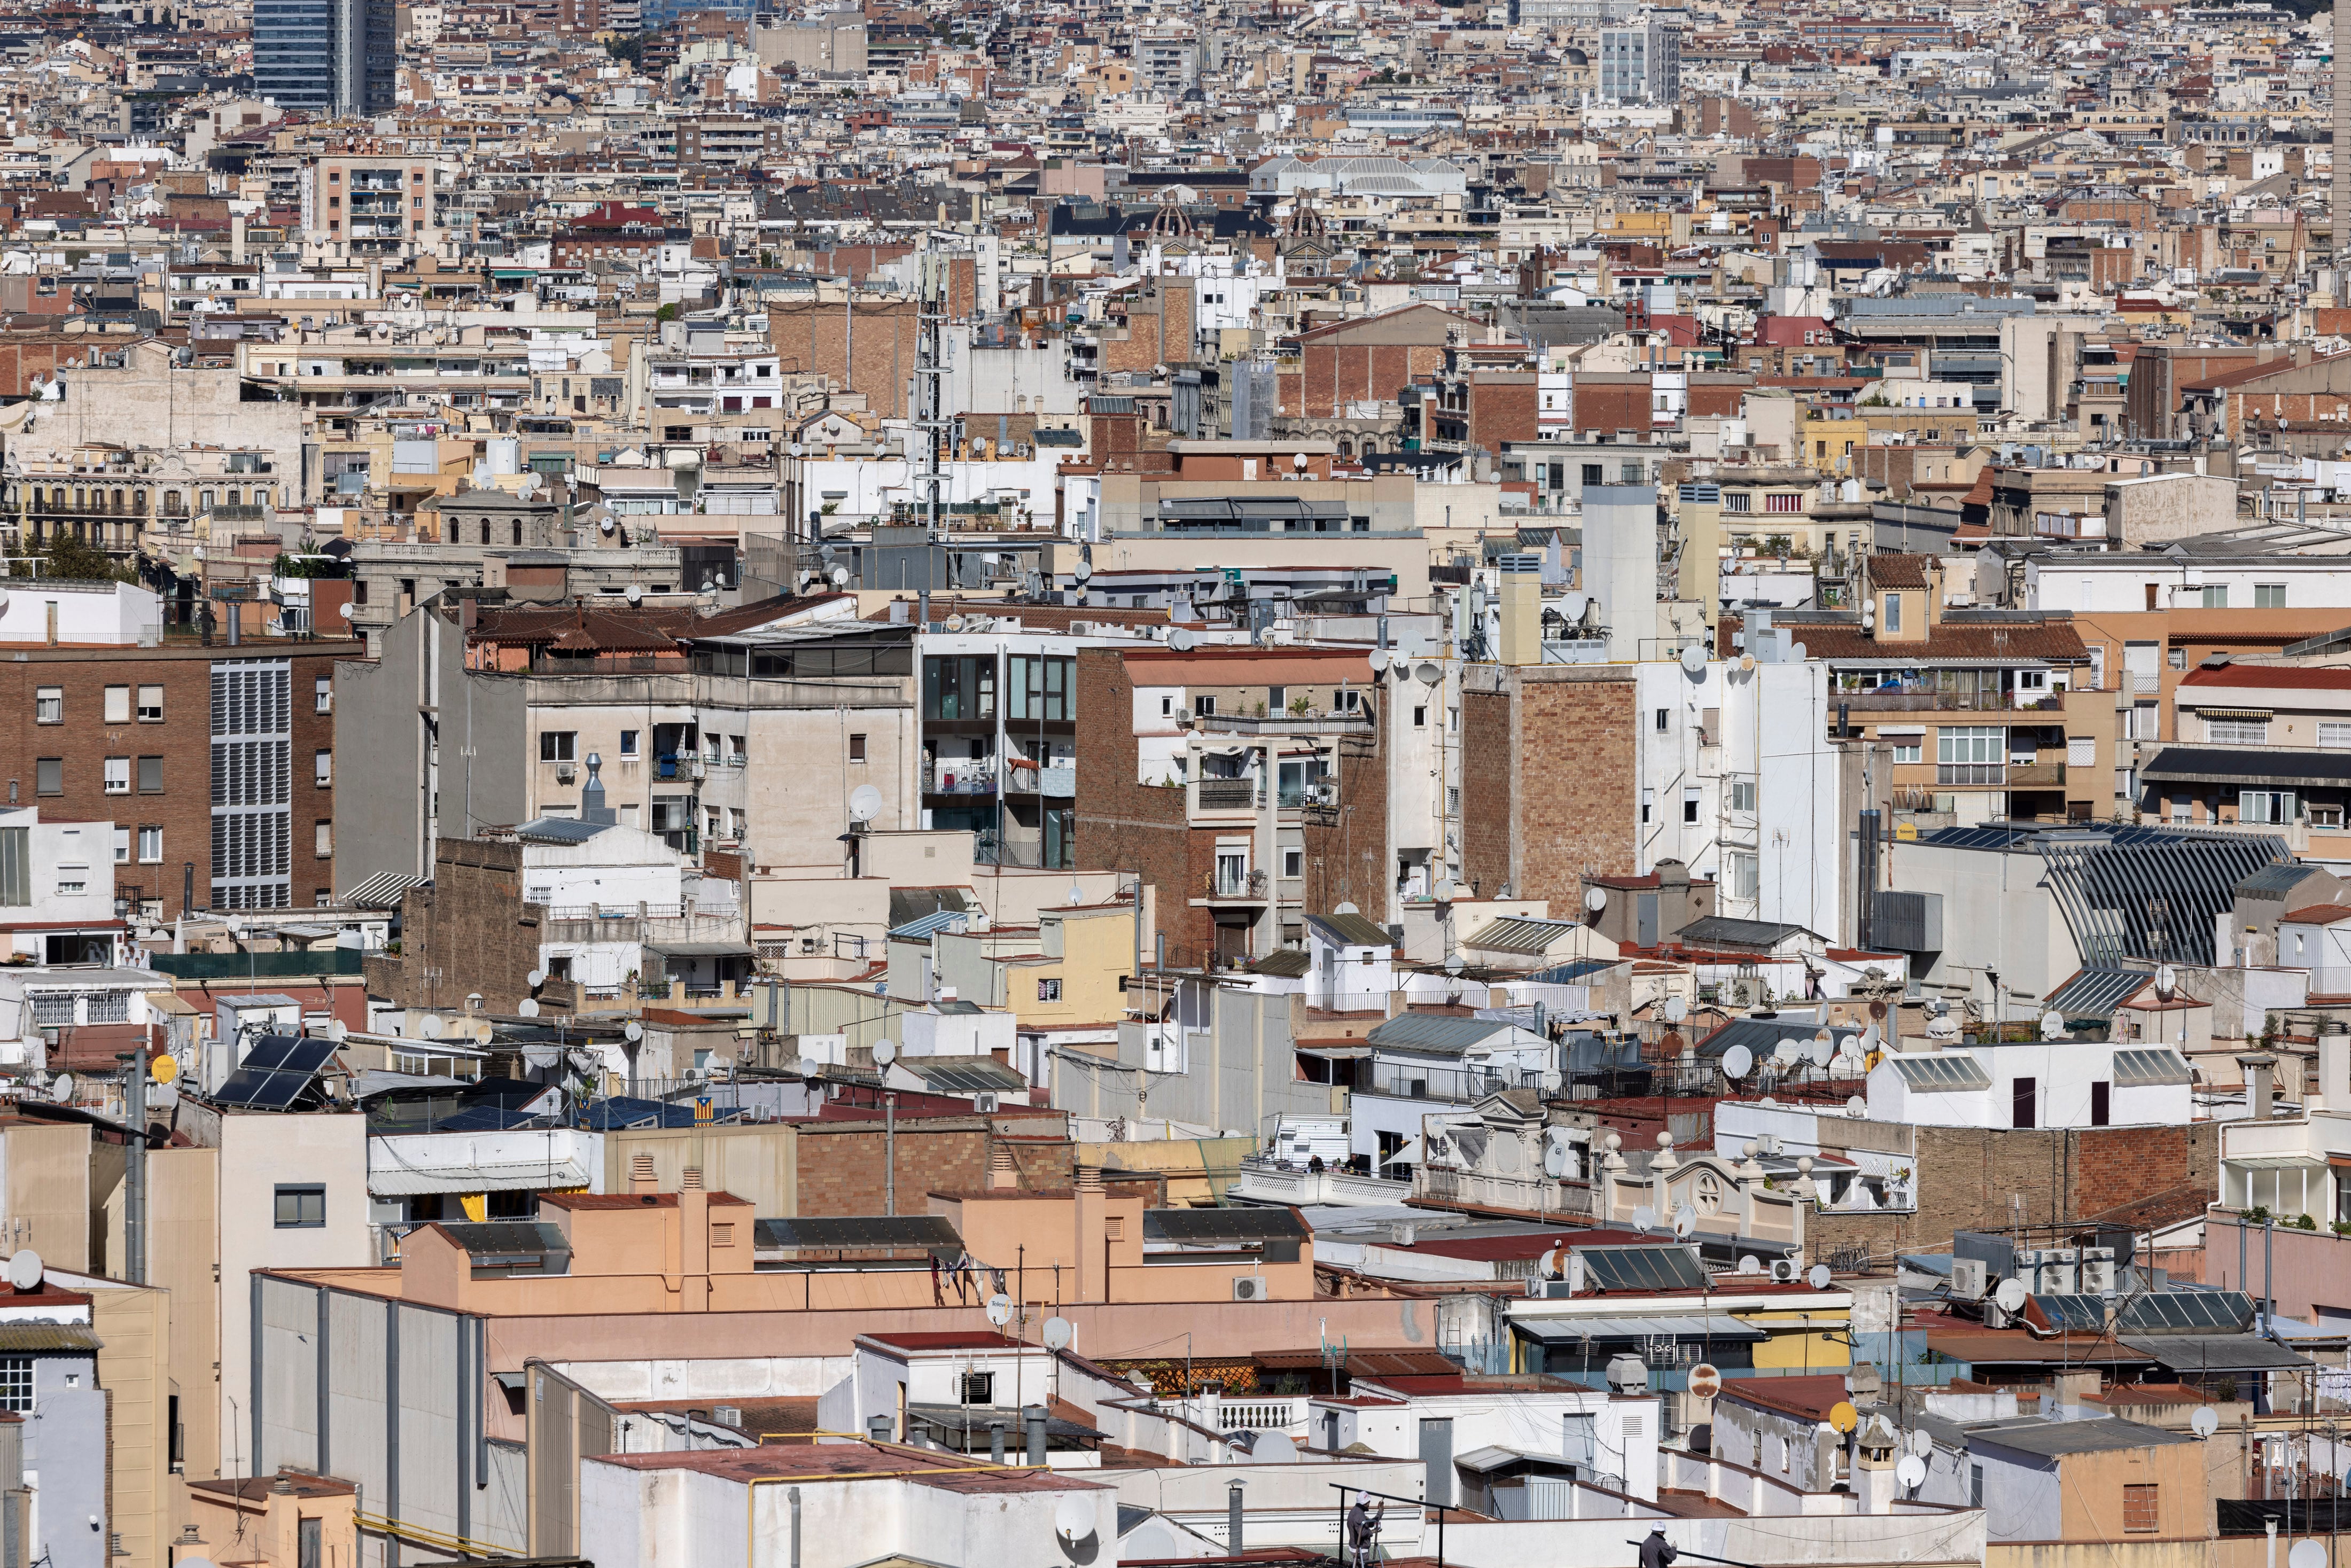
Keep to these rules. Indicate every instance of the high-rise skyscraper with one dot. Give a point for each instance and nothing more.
(325, 56)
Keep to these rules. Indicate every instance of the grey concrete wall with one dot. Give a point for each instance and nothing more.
(65, 1453)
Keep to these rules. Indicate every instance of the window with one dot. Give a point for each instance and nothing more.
(2216, 596)
(118, 776)
(151, 704)
(1742, 794)
(857, 748)
(323, 764)
(2237, 731)
(1975, 1485)
(1961, 744)
(1894, 612)
(1739, 869)
(301, 1207)
(1910, 750)
(16, 1383)
(979, 1388)
(2265, 806)
(2334, 736)
(324, 839)
(117, 705)
(558, 745)
(2101, 1102)
(1049, 991)
(2177, 658)
(151, 844)
(1420, 718)
(49, 705)
(1664, 714)
(1205, 707)
(49, 776)
(1648, 804)
(121, 846)
(1294, 863)
(150, 776)
(628, 743)
(2269, 596)
(1167, 707)
(2141, 1510)
(323, 693)
(1738, 501)
(1691, 801)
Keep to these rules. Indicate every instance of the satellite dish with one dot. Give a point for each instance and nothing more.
(528, 1008)
(338, 1030)
(429, 1026)
(2010, 1296)
(344, 610)
(1912, 1471)
(1444, 889)
(1843, 1417)
(1273, 1448)
(632, 1030)
(24, 1269)
(1704, 1382)
(2205, 1422)
(1644, 1218)
(1784, 1051)
(840, 576)
(2052, 1024)
(884, 1053)
(1428, 672)
(1693, 659)
(1824, 1052)
(1298, 460)
(1379, 660)
(62, 1087)
(1000, 1309)
(536, 978)
(1819, 1278)
(811, 1067)
(1556, 1160)
(636, 594)
(1181, 640)
(1870, 1038)
(1059, 1333)
(1685, 1221)
(164, 1069)
(1073, 1516)
(1453, 963)
(1082, 570)
(1676, 1010)
(2166, 980)
(954, 622)
(2306, 1555)
(1737, 1062)
(1595, 899)
(864, 803)
(1749, 1264)
(1922, 1443)
(1574, 605)
(1347, 909)
(1855, 1105)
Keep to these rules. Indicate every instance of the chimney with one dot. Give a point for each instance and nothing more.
(2333, 1066)
(592, 798)
(1092, 1235)
(2260, 1096)
(640, 1175)
(1522, 607)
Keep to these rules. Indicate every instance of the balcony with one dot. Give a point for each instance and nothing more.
(1971, 775)
(2036, 776)
(1923, 701)
(1057, 782)
(1224, 795)
(1252, 886)
(962, 776)
(1271, 1181)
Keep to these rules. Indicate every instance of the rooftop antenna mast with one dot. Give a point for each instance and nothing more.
(931, 424)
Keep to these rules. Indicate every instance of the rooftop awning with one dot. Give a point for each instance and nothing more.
(1336, 1053)
(2218, 1352)
(1690, 1325)
(2275, 1161)
(28, 1337)
(498, 1176)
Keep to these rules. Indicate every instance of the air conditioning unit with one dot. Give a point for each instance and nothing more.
(565, 772)
(1783, 1270)
(1250, 1287)
(2097, 1275)
(1969, 1279)
(984, 1103)
(2056, 1280)
(1082, 628)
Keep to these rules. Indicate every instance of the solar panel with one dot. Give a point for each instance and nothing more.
(276, 1071)
(1945, 1073)
(2187, 1311)
(2075, 1314)
(1642, 1267)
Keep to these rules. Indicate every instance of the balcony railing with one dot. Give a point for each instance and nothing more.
(1227, 794)
(1245, 885)
(1925, 701)
(2036, 775)
(1970, 773)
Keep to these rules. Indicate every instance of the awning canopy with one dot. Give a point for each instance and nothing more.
(700, 949)
(498, 1176)
(1336, 1053)
(2275, 1161)
(2218, 1352)
(1689, 1325)
(29, 1337)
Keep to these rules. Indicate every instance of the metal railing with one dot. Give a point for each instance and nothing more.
(1992, 773)
(1226, 794)
(1249, 884)
(1922, 700)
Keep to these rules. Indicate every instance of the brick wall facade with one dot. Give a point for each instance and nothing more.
(809, 338)
(1490, 808)
(1547, 785)
(470, 931)
(1136, 827)
(1967, 1175)
(181, 807)
(1331, 375)
(841, 1165)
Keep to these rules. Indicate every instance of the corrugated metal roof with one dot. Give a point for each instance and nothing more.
(1514, 934)
(1435, 1031)
(496, 1175)
(1353, 930)
(855, 1232)
(558, 831)
(27, 1337)
(2096, 993)
(937, 920)
(964, 1074)
(380, 891)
